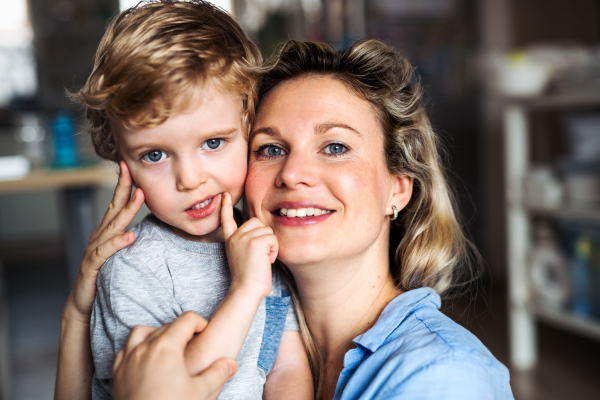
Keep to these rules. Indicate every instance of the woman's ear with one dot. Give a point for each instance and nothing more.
(403, 188)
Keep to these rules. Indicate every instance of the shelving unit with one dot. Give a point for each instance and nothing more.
(522, 311)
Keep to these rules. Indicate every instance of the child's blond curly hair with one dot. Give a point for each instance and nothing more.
(151, 59)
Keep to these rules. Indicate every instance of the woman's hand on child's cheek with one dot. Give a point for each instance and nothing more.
(251, 249)
(109, 238)
(152, 364)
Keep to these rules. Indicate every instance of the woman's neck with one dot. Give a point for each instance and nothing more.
(341, 300)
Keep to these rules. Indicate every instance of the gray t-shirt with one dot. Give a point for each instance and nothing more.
(161, 275)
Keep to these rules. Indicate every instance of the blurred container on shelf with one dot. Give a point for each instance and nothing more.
(582, 276)
(549, 269)
(543, 188)
(582, 244)
(583, 131)
(13, 167)
(530, 72)
(581, 169)
(32, 135)
(582, 190)
(65, 146)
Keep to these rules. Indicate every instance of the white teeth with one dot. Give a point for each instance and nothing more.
(202, 205)
(302, 212)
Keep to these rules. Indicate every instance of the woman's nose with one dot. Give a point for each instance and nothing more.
(189, 175)
(297, 170)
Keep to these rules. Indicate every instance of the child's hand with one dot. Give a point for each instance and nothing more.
(251, 250)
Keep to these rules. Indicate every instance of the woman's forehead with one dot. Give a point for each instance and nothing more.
(314, 101)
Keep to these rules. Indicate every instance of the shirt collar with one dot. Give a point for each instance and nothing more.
(394, 314)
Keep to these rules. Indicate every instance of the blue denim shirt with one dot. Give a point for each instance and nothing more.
(415, 352)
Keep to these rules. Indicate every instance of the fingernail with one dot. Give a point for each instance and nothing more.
(232, 368)
(128, 235)
(134, 195)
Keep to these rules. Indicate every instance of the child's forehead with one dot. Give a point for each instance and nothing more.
(210, 104)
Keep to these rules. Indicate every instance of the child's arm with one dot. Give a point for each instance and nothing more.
(251, 250)
(290, 377)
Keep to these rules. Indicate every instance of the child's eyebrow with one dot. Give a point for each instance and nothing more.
(215, 134)
(224, 132)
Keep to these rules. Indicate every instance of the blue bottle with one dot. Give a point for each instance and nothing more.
(65, 148)
(582, 279)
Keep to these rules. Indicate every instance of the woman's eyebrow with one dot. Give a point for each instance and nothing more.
(322, 128)
(267, 130)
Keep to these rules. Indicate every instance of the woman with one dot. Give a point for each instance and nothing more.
(341, 145)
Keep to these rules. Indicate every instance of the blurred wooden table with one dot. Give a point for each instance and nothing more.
(97, 175)
(77, 188)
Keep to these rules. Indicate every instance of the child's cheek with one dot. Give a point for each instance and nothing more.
(236, 182)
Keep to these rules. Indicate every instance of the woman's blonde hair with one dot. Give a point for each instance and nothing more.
(427, 244)
(151, 59)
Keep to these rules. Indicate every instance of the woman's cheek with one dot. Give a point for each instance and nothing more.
(255, 181)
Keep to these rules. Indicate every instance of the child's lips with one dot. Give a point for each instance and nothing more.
(201, 204)
(204, 208)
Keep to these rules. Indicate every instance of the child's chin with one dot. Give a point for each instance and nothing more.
(202, 232)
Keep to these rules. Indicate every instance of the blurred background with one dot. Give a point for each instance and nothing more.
(511, 86)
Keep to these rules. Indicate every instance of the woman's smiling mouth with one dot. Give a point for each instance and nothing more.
(303, 212)
(300, 213)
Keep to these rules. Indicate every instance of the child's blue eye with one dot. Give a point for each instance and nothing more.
(335, 148)
(154, 156)
(212, 144)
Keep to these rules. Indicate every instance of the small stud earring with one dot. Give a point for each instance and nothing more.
(395, 213)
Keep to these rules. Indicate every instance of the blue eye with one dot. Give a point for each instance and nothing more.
(154, 156)
(212, 144)
(273, 151)
(335, 148)
(270, 151)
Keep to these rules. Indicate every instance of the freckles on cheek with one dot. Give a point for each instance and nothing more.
(251, 179)
(356, 181)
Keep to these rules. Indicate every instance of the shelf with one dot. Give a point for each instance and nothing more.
(589, 327)
(559, 100)
(569, 213)
(97, 175)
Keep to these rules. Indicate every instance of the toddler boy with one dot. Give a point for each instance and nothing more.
(172, 96)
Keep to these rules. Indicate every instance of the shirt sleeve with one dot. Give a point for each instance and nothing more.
(454, 379)
(128, 294)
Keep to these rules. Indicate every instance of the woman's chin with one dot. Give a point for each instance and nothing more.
(299, 256)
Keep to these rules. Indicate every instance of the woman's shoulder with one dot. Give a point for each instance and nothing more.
(429, 336)
(444, 338)
(418, 351)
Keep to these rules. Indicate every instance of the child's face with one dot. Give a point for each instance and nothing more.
(187, 163)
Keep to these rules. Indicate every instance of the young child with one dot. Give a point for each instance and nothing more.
(172, 96)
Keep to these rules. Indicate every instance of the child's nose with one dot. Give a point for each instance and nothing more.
(190, 176)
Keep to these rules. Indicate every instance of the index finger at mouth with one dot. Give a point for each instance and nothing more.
(227, 221)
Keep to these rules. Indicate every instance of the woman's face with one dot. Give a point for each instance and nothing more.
(318, 149)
